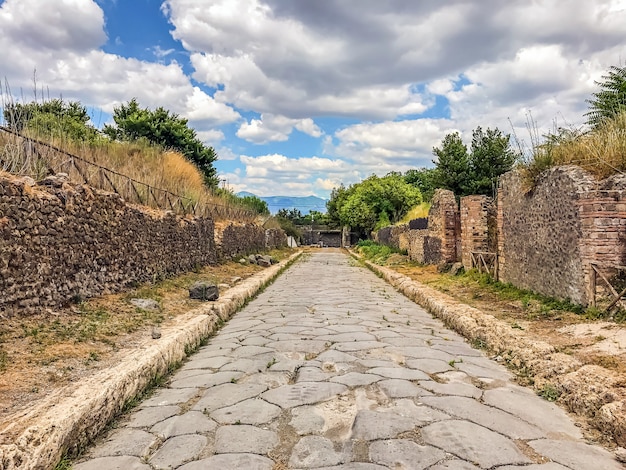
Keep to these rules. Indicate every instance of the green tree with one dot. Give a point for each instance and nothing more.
(424, 180)
(256, 204)
(52, 118)
(611, 99)
(452, 165)
(491, 156)
(168, 130)
(374, 202)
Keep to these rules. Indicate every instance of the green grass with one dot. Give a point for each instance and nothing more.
(375, 252)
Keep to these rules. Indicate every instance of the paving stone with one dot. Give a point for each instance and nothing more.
(457, 348)
(269, 379)
(355, 466)
(398, 388)
(525, 404)
(171, 396)
(352, 336)
(209, 379)
(191, 422)
(214, 362)
(404, 342)
(455, 389)
(247, 366)
(314, 374)
(112, 463)
(313, 452)
(303, 393)
(130, 442)
(244, 439)
(306, 420)
(499, 373)
(255, 341)
(491, 418)
(253, 411)
(231, 461)
(250, 351)
(419, 413)
(178, 450)
(422, 352)
(372, 425)
(399, 373)
(332, 355)
(356, 379)
(402, 453)
(227, 394)
(357, 345)
(147, 417)
(576, 455)
(473, 443)
(371, 363)
(286, 365)
(310, 346)
(462, 465)
(429, 366)
(543, 466)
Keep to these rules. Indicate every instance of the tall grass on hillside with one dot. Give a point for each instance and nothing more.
(601, 151)
(139, 172)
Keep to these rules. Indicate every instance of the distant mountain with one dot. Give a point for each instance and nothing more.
(303, 203)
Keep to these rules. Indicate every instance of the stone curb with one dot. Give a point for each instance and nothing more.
(586, 390)
(71, 418)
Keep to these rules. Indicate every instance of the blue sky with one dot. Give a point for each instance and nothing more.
(300, 96)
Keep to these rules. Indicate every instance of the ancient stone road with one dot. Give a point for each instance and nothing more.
(331, 368)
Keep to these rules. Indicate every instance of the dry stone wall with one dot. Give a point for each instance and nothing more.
(68, 241)
(442, 245)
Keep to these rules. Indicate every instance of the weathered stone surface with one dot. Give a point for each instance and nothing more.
(576, 455)
(113, 463)
(204, 291)
(147, 417)
(178, 450)
(171, 396)
(254, 411)
(192, 422)
(314, 452)
(402, 453)
(244, 439)
(398, 388)
(372, 425)
(208, 379)
(226, 461)
(303, 393)
(491, 418)
(473, 443)
(399, 373)
(130, 442)
(228, 394)
(356, 379)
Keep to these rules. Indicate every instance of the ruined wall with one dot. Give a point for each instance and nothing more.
(67, 241)
(442, 245)
(275, 238)
(478, 227)
(540, 233)
(395, 236)
(232, 240)
(416, 245)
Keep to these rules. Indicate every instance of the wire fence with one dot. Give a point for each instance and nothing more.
(24, 155)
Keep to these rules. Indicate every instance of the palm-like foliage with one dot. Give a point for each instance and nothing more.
(610, 100)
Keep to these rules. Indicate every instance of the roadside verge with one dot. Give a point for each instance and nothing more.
(69, 419)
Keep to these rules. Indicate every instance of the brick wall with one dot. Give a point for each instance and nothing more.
(444, 227)
(478, 227)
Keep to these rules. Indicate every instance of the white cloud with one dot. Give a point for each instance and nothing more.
(273, 128)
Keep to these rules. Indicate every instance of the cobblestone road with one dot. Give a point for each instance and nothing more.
(331, 368)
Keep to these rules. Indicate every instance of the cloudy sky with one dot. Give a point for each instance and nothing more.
(300, 95)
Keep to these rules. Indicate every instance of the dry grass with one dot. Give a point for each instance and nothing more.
(139, 172)
(601, 152)
(418, 212)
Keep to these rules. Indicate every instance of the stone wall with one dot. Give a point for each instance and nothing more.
(444, 226)
(395, 236)
(66, 241)
(61, 242)
(540, 233)
(478, 227)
